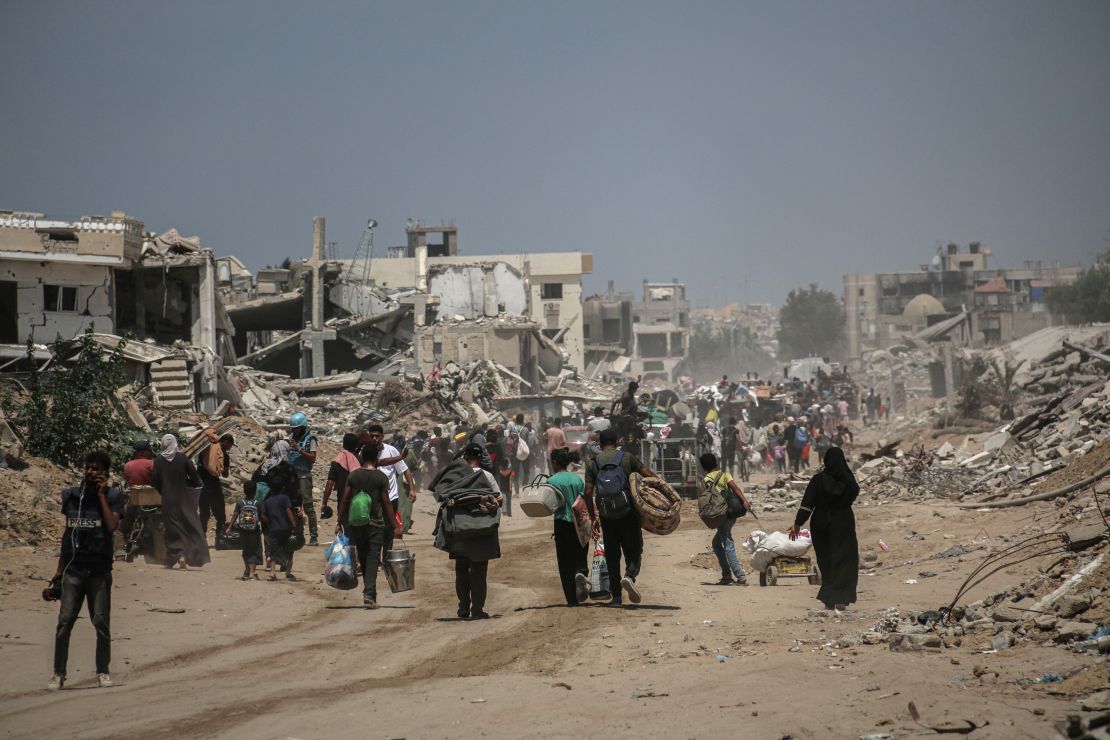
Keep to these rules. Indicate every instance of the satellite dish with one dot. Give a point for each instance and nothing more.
(936, 261)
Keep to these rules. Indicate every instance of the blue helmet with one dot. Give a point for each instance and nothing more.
(298, 420)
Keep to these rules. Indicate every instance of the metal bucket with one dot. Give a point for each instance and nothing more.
(400, 570)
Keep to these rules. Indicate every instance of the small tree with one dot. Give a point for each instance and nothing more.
(1003, 372)
(974, 392)
(1086, 300)
(811, 323)
(72, 408)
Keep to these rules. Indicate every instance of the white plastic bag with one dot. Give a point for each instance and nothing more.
(522, 451)
(599, 574)
(764, 547)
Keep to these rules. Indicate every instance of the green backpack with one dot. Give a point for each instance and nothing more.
(359, 513)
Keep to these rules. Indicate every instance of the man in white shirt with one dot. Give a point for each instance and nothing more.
(377, 437)
(598, 422)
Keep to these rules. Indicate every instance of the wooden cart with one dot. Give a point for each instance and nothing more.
(786, 567)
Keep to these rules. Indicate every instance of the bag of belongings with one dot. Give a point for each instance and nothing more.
(540, 498)
(764, 547)
(340, 569)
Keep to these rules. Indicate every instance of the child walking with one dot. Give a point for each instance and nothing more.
(248, 522)
(277, 516)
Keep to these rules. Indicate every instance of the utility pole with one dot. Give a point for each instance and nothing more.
(314, 334)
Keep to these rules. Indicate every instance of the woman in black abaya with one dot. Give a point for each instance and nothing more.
(828, 500)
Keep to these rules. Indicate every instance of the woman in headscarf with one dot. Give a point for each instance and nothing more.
(177, 481)
(828, 500)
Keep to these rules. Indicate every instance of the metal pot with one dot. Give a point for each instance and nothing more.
(400, 569)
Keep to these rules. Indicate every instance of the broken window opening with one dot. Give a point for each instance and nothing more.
(59, 298)
(652, 345)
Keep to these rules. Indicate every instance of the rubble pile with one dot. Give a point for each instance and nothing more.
(892, 474)
(1058, 439)
(1067, 603)
(909, 367)
(1063, 441)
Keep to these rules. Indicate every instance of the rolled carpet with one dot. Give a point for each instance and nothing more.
(658, 503)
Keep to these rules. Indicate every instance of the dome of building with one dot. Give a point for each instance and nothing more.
(923, 305)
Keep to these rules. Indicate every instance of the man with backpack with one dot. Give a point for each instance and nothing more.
(719, 506)
(796, 440)
(607, 485)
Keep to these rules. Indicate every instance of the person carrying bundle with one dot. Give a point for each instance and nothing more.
(608, 489)
(466, 526)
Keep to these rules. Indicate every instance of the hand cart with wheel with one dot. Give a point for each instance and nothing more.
(787, 567)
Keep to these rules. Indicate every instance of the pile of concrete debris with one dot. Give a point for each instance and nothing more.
(1064, 604)
(1061, 446)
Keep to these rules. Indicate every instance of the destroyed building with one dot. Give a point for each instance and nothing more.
(544, 287)
(661, 331)
(60, 276)
(985, 306)
(607, 332)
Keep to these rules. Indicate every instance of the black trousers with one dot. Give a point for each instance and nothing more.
(370, 546)
(571, 558)
(211, 504)
(622, 536)
(277, 548)
(795, 456)
(96, 591)
(470, 584)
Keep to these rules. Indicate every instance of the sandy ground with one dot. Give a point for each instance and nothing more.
(265, 660)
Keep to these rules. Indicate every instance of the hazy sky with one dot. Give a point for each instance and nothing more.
(745, 148)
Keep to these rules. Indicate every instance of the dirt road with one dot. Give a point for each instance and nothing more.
(267, 660)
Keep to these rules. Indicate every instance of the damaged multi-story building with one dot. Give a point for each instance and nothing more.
(649, 337)
(607, 329)
(956, 293)
(60, 276)
(660, 331)
(543, 287)
(194, 315)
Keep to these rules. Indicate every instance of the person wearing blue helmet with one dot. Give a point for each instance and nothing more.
(303, 457)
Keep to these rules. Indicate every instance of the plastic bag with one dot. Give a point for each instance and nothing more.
(764, 547)
(340, 569)
(599, 574)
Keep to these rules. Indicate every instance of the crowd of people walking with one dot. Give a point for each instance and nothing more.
(473, 473)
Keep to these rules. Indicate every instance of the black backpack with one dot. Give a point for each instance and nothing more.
(611, 490)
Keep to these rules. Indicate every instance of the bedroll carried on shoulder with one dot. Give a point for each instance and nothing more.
(658, 503)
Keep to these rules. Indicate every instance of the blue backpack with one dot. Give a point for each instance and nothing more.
(800, 436)
(611, 490)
